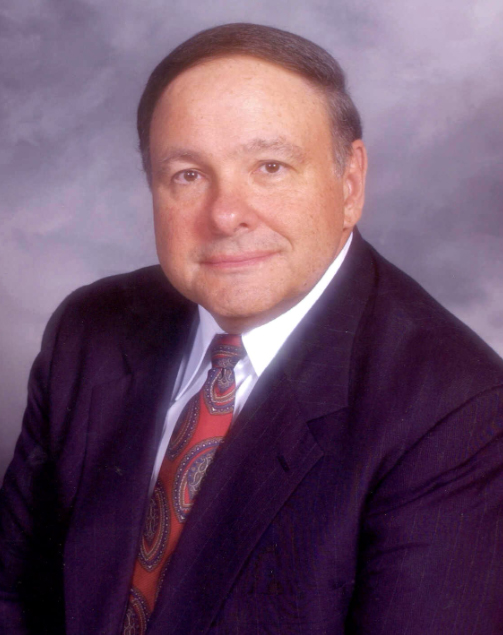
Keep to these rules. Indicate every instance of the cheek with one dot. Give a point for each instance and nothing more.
(306, 220)
(174, 241)
(174, 224)
(315, 234)
(285, 210)
(163, 228)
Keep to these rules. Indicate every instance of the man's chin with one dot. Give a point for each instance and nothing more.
(237, 316)
(243, 315)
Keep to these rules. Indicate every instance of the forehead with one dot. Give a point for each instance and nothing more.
(240, 91)
(225, 71)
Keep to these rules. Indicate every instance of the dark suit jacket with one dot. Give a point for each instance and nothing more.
(359, 491)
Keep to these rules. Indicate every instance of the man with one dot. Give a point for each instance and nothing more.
(333, 465)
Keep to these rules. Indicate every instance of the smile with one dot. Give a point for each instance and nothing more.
(237, 261)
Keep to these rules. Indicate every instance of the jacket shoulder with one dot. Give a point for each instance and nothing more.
(120, 298)
(96, 325)
(416, 347)
(126, 292)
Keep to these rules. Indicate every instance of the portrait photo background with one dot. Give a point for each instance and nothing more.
(426, 76)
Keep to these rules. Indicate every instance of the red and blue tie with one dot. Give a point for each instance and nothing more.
(198, 433)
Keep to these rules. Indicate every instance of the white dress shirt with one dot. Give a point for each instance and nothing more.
(261, 345)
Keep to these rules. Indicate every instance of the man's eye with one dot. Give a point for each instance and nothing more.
(271, 167)
(186, 176)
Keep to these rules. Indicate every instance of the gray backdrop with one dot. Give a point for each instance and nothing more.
(427, 76)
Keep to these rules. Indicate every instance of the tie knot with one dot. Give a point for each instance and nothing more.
(226, 351)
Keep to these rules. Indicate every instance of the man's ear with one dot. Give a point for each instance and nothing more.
(353, 182)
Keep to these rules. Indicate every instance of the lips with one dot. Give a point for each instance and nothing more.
(233, 261)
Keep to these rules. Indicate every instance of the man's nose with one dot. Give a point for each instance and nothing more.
(230, 210)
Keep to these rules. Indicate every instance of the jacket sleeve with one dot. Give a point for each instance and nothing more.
(431, 548)
(31, 520)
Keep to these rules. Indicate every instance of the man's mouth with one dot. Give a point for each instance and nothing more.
(236, 261)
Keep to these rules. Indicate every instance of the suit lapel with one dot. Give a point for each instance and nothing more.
(253, 474)
(125, 422)
(274, 443)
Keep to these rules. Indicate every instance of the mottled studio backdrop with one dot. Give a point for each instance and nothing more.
(427, 76)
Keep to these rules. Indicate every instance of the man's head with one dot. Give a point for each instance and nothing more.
(287, 50)
(254, 157)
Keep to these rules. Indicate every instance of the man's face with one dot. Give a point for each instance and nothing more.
(249, 209)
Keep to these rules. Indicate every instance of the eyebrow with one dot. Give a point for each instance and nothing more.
(180, 154)
(279, 145)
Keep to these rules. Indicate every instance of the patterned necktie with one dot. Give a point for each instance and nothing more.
(200, 429)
